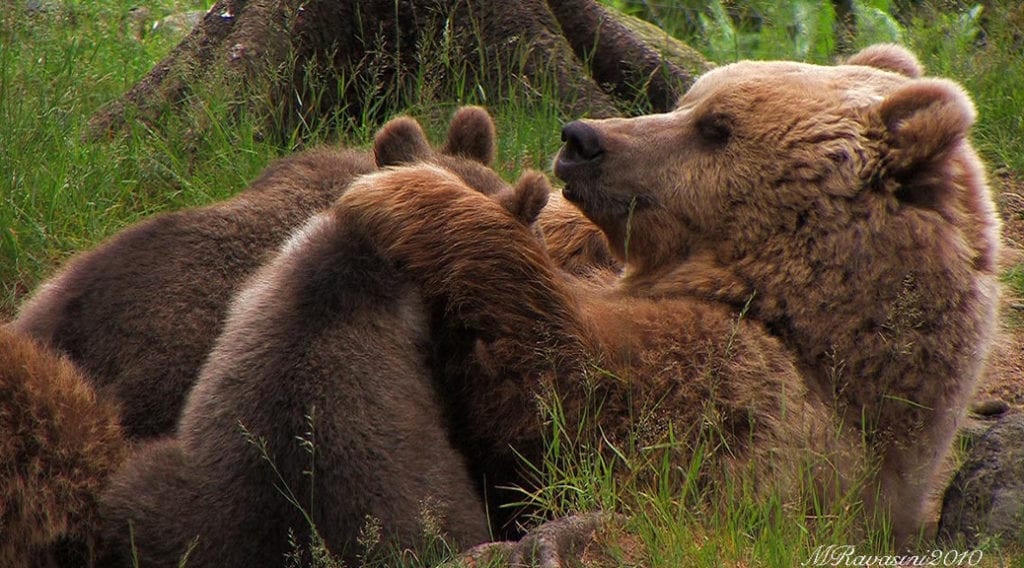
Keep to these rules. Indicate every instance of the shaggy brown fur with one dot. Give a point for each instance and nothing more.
(329, 342)
(58, 445)
(575, 244)
(847, 207)
(809, 252)
(140, 312)
(689, 366)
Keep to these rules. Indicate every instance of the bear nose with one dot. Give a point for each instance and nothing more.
(582, 142)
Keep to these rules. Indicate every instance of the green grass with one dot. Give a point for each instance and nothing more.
(983, 49)
(59, 195)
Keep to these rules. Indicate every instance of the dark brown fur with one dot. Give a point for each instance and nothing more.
(329, 341)
(140, 312)
(326, 330)
(58, 445)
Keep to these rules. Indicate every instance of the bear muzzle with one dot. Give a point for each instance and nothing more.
(578, 161)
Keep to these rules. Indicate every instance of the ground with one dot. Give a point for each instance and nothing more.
(1002, 381)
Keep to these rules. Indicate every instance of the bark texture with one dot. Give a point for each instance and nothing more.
(302, 60)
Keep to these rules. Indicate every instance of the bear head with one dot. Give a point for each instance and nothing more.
(755, 150)
(468, 153)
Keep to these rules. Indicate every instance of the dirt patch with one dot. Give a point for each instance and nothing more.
(1004, 377)
(1009, 189)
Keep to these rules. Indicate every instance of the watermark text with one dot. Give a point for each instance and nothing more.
(847, 555)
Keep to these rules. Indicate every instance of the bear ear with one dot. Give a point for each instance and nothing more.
(472, 135)
(529, 196)
(401, 141)
(888, 57)
(925, 119)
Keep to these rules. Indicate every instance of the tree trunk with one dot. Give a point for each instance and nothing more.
(845, 28)
(304, 60)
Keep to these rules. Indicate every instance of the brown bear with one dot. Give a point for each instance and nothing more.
(140, 312)
(316, 419)
(58, 445)
(846, 209)
(803, 245)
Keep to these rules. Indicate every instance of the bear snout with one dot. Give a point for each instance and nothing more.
(582, 141)
(582, 150)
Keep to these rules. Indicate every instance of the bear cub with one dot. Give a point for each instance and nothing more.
(140, 312)
(316, 415)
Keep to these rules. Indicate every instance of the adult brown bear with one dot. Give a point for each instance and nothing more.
(810, 258)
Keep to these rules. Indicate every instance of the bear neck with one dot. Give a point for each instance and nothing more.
(893, 300)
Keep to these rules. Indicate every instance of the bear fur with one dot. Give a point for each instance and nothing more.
(844, 208)
(58, 445)
(319, 388)
(803, 245)
(677, 363)
(575, 244)
(140, 312)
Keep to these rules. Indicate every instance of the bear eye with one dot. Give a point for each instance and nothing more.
(715, 127)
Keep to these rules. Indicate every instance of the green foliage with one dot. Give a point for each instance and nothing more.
(730, 30)
(1014, 279)
(982, 47)
(59, 195)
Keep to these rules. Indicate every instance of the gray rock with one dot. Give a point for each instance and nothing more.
(559, 543)
(41, 6)
(986, 497)
(990, 408)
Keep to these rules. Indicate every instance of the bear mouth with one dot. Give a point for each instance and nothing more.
(579, 176)
(574, 193)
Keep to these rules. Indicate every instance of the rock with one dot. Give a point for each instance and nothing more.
(990, 408)
(40, 6)
(986, 497)
(576, 540)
